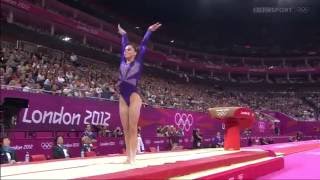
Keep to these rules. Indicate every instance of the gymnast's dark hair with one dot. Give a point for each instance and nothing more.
(134, 46)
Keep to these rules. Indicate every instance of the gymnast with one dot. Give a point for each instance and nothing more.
(130, 101)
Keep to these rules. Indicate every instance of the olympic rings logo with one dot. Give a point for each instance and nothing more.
(183, 121)
(46, 145)
(222, 112)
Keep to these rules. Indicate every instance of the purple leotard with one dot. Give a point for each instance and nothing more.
(130, 73)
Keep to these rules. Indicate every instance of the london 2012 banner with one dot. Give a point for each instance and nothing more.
(59, 113)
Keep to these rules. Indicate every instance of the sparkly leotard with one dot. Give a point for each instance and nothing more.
(130, 72)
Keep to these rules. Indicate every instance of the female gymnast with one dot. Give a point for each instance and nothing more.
(130, 101)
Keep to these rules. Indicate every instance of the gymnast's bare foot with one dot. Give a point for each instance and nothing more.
(132, 161)
(126, 161)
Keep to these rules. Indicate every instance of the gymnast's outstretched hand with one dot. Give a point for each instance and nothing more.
(154, 27)
(121, 31)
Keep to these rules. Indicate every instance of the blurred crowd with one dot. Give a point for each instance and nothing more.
(41, 73)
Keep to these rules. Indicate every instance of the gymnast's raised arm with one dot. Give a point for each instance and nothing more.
(124, 40)
(145, 39)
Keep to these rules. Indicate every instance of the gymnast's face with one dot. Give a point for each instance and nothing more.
(130, 53)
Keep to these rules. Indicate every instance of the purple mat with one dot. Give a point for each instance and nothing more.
(275, 147)
(303, 165)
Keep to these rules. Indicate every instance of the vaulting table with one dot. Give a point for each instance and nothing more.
(235, 119)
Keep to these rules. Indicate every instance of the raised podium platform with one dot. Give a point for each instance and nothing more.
(164, 165)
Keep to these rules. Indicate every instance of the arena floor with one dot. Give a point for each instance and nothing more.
(103, 167)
